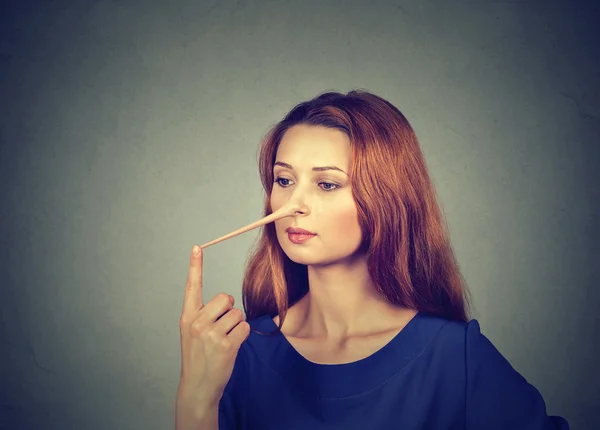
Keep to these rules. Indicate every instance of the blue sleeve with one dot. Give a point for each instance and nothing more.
(497, 396)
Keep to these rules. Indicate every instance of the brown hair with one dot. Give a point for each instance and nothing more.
(405, 238)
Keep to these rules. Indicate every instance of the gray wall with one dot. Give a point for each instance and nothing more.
(129, 132)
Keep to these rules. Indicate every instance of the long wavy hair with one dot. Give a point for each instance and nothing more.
(405, 238)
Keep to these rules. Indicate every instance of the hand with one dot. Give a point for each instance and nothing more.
(211, 337)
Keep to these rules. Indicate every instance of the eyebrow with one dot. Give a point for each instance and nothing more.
(315, 169)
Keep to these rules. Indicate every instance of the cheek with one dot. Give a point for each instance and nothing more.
(343, 222)
(275, 202)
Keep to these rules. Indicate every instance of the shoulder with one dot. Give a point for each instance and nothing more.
(259, 344)
(460, 346)
(445, 334)
(455, 334)
(497, 396)
(465, 342)
(261, 324)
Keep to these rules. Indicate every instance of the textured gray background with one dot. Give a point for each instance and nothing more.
(129, 132)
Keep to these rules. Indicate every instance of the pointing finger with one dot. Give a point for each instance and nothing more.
(192, 300)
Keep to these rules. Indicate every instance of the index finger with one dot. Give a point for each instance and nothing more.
(192, 300)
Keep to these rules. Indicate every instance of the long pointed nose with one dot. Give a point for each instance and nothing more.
(290, 209)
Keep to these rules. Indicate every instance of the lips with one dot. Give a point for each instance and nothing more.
(300, 238)
(296, 230)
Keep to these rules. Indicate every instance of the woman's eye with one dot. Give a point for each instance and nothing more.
(277, 181)
(330, 186)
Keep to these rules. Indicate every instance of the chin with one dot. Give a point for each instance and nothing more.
(308, 257)
(298, 254)
(307, 261)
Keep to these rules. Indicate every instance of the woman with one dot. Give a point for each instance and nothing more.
(357, 312)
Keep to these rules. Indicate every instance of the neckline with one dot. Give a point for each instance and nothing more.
(345, 380)
(372, 357)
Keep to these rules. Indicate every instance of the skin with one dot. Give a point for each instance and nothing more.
(341, 303)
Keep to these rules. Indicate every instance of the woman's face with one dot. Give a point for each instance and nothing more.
(328, 208)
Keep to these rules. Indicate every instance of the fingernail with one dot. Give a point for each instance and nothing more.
(196, 250)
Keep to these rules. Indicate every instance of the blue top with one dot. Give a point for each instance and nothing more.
(435, 374)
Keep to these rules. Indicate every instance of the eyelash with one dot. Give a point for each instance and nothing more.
(279, 178)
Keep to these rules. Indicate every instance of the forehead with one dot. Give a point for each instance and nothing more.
(311, 146)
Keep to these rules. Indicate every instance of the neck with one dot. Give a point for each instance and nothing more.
(342, 302)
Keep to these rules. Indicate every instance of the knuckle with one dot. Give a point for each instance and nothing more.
(245, 327)
(184, 321)
(213, 336)
(225, 344)
(196, 329)
(223, 296)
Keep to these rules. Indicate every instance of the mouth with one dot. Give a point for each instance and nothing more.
(300, 237)
(299, 231)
